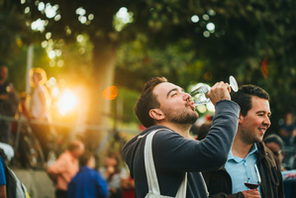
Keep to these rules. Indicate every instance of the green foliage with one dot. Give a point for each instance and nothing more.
(163, 40)
(176, 61)
(10, 31)
(124, 105)
(17, 66)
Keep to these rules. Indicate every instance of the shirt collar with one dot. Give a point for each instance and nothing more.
(253, 151)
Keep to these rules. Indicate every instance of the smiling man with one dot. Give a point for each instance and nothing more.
(249, 161)
(166, 107)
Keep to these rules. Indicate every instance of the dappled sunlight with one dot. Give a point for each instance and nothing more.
(38, 25)
(66, 102)
(121, 18)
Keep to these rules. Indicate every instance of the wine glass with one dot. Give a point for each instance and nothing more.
(199, 93)
(254, 184)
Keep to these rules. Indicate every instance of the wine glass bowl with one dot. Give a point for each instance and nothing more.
(251, 185)
(199, 92)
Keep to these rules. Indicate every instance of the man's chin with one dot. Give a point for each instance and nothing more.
(259, 139)
(194, 119)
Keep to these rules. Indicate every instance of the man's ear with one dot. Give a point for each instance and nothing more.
(156, 114)
(240, 118)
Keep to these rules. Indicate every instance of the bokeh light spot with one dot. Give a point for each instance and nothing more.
(194, 19)
(211, 27)
(66, 102)
(110, 93)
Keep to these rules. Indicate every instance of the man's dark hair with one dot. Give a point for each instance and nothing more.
(243, 97)
(148, 101)
(85, 157)
(276, 139)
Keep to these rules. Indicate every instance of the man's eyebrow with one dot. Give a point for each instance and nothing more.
(269, 113)
(174, 89)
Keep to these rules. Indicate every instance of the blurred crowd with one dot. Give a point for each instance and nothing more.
(76, 174)
(69, 170)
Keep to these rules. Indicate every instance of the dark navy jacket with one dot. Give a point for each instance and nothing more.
(174, 155)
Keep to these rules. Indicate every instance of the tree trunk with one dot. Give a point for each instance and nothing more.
(104, 55)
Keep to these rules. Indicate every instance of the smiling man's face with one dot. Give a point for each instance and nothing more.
(254, 125)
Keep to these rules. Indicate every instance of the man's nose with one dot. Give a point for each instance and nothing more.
(267, 121)
(186, 96)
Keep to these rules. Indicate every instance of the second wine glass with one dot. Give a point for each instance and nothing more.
(255, 183)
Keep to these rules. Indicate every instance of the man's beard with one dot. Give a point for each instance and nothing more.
(183, 118)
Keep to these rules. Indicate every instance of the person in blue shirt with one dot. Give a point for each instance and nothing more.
(87, 183)
(2, 178)
(251, 170)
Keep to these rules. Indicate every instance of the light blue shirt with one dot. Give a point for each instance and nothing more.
(242, 170)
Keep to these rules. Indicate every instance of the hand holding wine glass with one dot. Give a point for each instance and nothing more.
(203, 93)
(253, 191)
(220, 91)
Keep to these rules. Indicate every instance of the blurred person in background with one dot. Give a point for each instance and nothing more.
(276, 145)
(14, 187)
(39, 111)
(127, 184)
(128, 187)
(6, 154)
(40, 99)
(87, 183)
(6, 181)
(288, 130)
(8, 104)
(111, 172)
(65, 168)
(203, 130)
(2, 177)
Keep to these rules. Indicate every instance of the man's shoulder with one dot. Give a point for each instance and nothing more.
(162, 134)
(266, 153)
(87, 171)
(160, 130)
(136, 144)
(65, 155)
